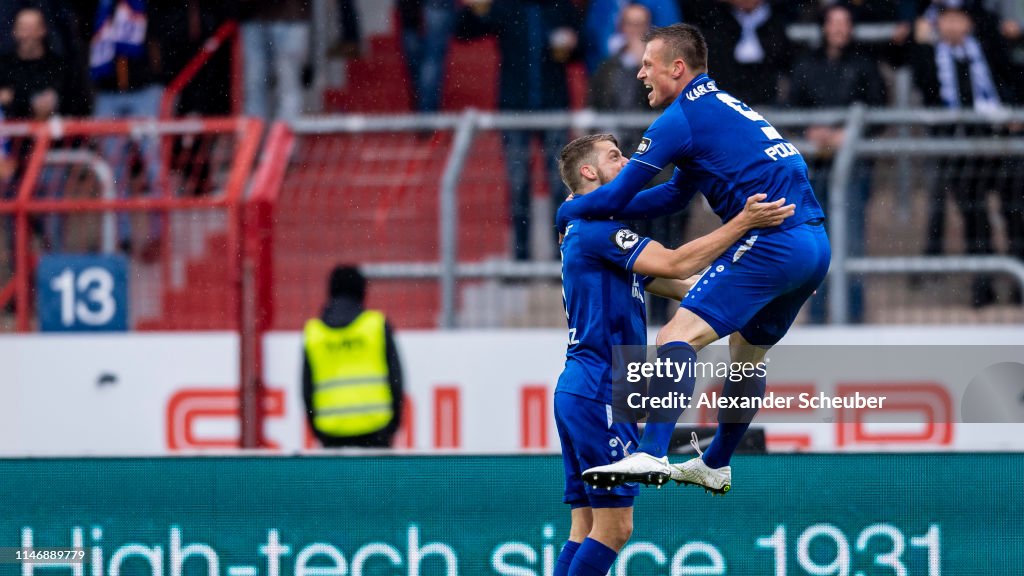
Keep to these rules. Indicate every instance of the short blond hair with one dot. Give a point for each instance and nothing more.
(577, 153)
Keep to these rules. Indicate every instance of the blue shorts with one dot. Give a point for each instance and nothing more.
(758, 286)
(590, 438)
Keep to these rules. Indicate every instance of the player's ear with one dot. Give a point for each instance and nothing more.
(678, 68)
(588, 172)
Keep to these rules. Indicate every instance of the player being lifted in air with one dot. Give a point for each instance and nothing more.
(751, 293)
(605, 269)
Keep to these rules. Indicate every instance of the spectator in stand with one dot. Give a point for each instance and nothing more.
(615, 88)
(126, 69)
(536, 39)
(750, 50)
(838, 75)
(599, 26)
(1011, 13)
(275, 36)
(966, 68)
(32, 79)
(862, 10)
(125, 58)
(33, 82)
(426, 32)
(918, 19)
(60, 22)
(63, 41)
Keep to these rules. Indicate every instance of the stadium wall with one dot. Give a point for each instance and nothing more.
(864, 514)
(472, 392)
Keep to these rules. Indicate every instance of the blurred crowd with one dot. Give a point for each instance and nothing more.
(113, 58)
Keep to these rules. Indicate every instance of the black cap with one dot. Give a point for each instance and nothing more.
(347, 281)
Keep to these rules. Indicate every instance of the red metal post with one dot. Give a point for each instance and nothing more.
(251, 385)
(22, 248)
(256, 307)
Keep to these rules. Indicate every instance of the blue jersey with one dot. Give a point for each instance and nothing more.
(604, 303)
(720, 147)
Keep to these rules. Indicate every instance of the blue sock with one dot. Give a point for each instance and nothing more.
(592, 559)
(733, 422)
(565, 558)
(662, 422)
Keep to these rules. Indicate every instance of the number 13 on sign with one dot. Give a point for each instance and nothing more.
(82, 292)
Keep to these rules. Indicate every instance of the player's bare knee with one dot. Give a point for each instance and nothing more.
(626, 529)
(613, 527)
(740, 350)
(622, 531)
(582, 523)
(615, 535)
(687, 327)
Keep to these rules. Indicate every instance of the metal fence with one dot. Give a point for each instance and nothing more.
(945, 217)
(165, 196)
(426, 204)
(925, 215)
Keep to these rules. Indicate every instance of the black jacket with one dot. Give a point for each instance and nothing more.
(28, 78)
(337, 314)
(926, 75)
(818, 82)
(754, 84)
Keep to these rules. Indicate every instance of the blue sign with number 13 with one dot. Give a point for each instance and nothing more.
(82, 293)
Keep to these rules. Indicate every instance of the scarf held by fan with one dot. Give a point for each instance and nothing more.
(983, 88)
(120, 31)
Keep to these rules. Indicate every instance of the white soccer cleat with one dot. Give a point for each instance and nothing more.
(637, 467)
(696, 473)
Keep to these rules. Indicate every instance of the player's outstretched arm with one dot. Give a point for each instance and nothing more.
(658, 261)
(608, 200)
(661, 200)
(672, 288)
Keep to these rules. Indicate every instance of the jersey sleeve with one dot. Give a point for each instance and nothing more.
(661, 200)
(606, 201)
(664, 141)
(613, 243)
(668, 138)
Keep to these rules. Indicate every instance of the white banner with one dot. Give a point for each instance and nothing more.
(479, 391)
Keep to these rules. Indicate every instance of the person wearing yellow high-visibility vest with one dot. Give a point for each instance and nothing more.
(351, 376)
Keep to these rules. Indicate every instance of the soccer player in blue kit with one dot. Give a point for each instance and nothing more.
(751, 293)
(606, 268)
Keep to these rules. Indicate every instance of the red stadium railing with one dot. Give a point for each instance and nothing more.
(226, 33)
(191, 233)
